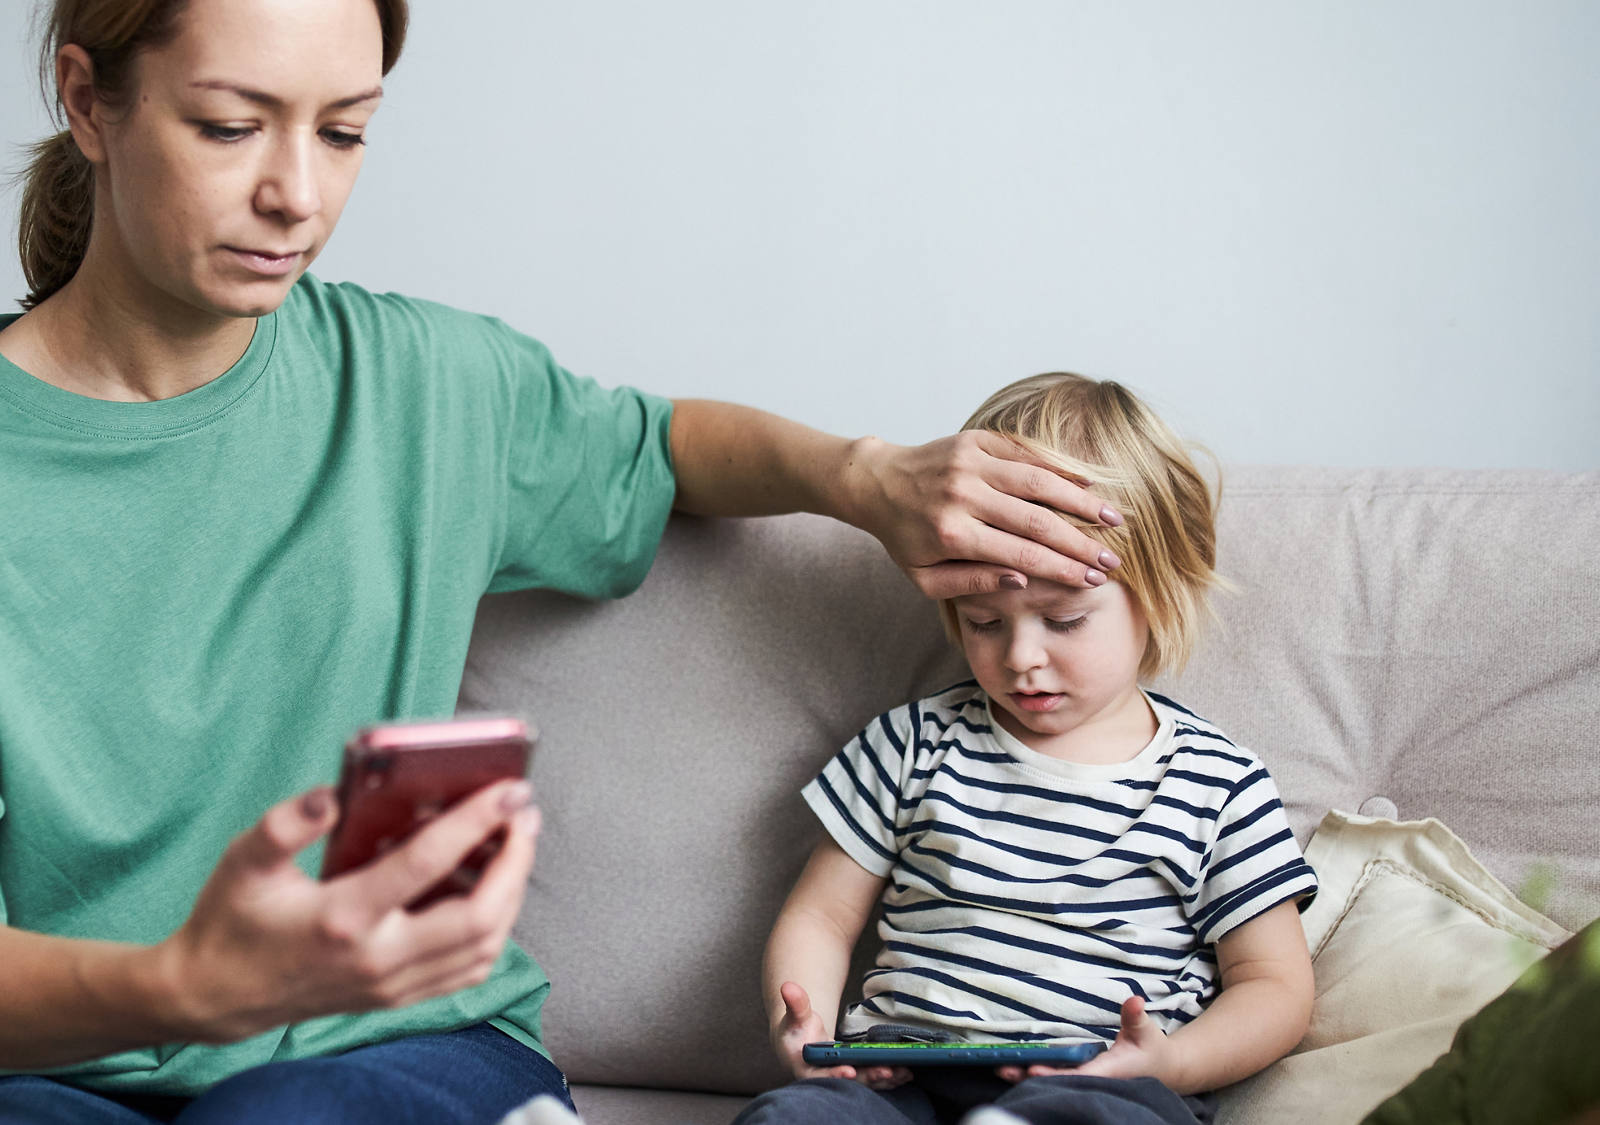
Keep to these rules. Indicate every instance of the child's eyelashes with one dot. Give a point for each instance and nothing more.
(1054, 624)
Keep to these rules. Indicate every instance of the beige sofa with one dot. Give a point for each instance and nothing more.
(1408, 644)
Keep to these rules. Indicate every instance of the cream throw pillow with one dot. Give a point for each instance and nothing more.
(1409, 936)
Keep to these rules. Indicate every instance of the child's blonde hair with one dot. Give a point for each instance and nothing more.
(1100, 434)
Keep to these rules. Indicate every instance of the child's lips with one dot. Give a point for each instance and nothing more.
(1036, 700)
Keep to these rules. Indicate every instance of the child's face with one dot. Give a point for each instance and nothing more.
(1060, 664)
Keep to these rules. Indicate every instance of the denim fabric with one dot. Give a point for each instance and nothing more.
(469, 1077)
(942, 1097)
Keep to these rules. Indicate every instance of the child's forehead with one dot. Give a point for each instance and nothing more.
(1040, 596)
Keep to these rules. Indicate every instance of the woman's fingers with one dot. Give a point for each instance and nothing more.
(1019, 473)
(285, 830)
(483, 919)
(989, 559)
(992, 517)
(1018, 524)
(399, 877)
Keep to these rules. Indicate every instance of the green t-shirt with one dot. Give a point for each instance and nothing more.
(201, 598)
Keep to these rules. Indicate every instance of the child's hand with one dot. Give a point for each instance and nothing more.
(1141, 1049)
(801, 1025)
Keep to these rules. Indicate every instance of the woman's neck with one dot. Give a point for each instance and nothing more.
(122, 342)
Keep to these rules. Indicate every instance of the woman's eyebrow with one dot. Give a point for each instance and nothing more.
(272, 101)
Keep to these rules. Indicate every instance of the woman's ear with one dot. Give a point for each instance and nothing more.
(75, 88)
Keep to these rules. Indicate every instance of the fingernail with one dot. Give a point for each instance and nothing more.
(1109, 561)
(516, 796)
(314, 805)
(1110, 516)
(1094, 577)
(1013, 582)
(528, 821)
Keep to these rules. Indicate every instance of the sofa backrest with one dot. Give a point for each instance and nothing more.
(1426, 640)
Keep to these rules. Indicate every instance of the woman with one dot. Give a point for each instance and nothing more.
(250, 511)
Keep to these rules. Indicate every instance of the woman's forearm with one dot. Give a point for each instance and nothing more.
(64, 1000)
(960, 514)
(738, 461)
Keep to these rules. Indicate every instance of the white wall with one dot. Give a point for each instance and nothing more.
(1365, 232)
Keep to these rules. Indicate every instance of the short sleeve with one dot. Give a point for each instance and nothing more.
(4, 917)
(588, 479)
(1254, 863)
(859, 795)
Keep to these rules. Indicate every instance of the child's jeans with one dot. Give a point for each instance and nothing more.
(469, 1077)
(943, 1097)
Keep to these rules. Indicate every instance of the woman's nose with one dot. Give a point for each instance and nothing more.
(288, 184)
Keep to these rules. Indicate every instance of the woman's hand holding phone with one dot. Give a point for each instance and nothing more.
(266, 944)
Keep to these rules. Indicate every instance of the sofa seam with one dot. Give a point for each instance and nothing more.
(1375, 867)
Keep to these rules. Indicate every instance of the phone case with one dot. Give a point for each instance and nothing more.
(949, 1054)
(398, 776)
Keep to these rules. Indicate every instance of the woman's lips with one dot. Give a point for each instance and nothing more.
(1035, 700)
(264, 262)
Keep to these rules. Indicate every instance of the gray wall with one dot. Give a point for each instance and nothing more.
(1347, 233)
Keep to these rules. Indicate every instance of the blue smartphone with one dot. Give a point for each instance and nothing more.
(949, 1054)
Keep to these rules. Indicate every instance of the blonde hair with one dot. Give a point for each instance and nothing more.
(57, 211)
(1099, 433)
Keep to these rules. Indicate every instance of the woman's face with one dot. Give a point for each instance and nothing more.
(227, 170)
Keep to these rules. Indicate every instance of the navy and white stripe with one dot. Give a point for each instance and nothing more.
(1029, 896)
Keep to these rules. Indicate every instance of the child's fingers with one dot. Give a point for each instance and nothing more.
(795, 1001)
(833, 1072)
(1133, 1017)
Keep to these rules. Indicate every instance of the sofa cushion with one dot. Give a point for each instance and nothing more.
(676, 730)
(1430, 638)
(1409, 937)
(611, 1105)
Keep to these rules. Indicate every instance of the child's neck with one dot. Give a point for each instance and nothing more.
(1119, 732)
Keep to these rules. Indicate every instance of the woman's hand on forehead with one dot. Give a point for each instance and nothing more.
(975, 512)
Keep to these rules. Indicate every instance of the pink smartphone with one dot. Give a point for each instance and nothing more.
(398, 776)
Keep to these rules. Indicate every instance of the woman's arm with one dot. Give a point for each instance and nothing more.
(808, 954)
(65, 999)
(1260, 1014)
(958, 514)
(267, 945)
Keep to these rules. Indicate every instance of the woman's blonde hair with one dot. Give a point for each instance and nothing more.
(57, 210)
(1099, 433)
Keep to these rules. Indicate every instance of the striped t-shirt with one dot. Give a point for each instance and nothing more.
(1029, 896)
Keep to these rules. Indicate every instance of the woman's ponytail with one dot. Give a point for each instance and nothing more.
(56, 215)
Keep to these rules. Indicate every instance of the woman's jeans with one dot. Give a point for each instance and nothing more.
(470, 1077)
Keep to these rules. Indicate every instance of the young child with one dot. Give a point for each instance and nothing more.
(1061, 854)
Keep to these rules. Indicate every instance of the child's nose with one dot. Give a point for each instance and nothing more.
(1024, 652)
